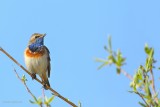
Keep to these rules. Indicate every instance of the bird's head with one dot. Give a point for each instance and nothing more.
(36, 41)
(36, 38)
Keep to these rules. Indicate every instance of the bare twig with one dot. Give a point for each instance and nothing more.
(153, 86)
(52, 90)
(24, 84)
(23, 81)
(127, 74)
(43, 94)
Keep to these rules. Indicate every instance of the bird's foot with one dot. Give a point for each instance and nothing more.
(45, 86)
(33, 75)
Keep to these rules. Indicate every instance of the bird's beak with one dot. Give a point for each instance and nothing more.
(44, 35)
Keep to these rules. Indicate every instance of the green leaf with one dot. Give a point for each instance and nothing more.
(32, 102)
(147, 89)
(110, 43)
(131, 91)
(142, 68)
(79, 104)
(118, 70)
(146, 48)
(24, 78)
(137, 80)
(40, 99)
(106, 49)
(111, 59)
(123, 60)
(158, 101)
(149, 60)
(139, 75)
(142, 104)
(35, 99)
(146, 86)
(120, 59)
(46, 99)
(100, 60)
(104, 64)
(156, 95)
(50, 99)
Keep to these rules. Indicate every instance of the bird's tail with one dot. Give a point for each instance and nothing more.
(45, 81)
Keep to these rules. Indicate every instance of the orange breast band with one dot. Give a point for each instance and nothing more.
(35, 54)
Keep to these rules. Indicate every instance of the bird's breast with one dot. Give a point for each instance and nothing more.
(36, 61)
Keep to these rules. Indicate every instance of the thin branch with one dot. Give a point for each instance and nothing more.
(43, 94)
(23, 81)
(52, 90)
(127, 74)
(142, 98)
(153, 86)
(24, 84)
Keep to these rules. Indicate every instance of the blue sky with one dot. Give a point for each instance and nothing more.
(76, 31)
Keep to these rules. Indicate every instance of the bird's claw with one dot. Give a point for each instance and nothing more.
(45, 86)
(33, 75)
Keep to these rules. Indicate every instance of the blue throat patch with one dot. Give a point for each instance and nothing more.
(36, 46)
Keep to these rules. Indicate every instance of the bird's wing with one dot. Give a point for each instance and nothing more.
(49, 59)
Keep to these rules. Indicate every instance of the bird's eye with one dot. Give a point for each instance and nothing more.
(36, 37)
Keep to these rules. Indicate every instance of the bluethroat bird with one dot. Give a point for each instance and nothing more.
(37, 58)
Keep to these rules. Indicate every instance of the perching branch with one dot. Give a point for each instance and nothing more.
(52, 90)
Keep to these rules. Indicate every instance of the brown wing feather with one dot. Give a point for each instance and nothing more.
(49, 64)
